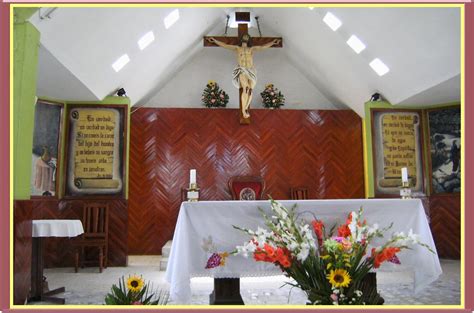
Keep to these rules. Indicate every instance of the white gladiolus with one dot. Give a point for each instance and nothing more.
(279, 209)
(245, 249)
(303, 254)
(353, 224)
(372, 230)
(292, 246)
(415, 238)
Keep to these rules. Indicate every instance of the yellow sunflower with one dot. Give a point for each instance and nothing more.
(135, 283)
(339, 278)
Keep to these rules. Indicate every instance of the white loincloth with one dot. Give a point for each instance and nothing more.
(251, 73)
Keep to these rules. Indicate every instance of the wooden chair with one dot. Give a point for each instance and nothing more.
(96, 234)
(300, 193)
(246, 187)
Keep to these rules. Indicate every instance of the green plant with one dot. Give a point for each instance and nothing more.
(135, 292)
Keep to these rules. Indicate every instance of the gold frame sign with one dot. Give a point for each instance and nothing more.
(396, 143)
(96, 149)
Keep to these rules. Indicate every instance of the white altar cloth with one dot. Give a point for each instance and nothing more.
(57, 228)
(199, 220)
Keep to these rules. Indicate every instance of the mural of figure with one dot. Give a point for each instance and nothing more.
(45, 169)
(455, 155)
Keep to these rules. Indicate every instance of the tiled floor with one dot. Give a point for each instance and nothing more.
(90, 287)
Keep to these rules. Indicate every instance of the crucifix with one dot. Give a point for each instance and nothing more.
(244, 76)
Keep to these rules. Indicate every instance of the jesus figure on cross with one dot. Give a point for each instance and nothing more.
(244, 75)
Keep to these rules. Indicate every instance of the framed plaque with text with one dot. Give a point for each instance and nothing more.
(96, 150)
(397, 137)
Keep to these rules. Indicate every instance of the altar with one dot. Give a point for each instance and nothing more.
(208, 225)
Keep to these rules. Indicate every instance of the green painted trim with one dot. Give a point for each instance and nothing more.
(26, 40)
(21, 15)
(368, 135)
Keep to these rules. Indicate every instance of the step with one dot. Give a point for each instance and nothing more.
(165, 250)
(163, 264)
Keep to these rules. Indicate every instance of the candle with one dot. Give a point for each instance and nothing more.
(404, 174)
(192, 176)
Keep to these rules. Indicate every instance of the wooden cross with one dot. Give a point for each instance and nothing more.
(256, 41)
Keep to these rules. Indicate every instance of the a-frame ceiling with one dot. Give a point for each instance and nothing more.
(421, 46)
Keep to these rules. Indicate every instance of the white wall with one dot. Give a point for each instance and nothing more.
(186, 87)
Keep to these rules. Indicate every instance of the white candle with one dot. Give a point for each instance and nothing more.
(192, 176)
(404, 174)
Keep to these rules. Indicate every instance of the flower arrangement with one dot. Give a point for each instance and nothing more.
(134, 292)
(331, 268)
(213, 96)
(272, 97)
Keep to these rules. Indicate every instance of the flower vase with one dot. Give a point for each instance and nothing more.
(368, 286)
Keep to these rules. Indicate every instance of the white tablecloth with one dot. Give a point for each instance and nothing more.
(199, 220)
(57, 228)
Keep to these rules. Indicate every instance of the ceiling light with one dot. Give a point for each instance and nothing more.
(311, 8)
(379, 67)
(146, 40)
(171, 18)
(120, 63)
(332, 21)
(356, 44)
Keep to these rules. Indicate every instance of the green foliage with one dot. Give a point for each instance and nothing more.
(272, 97)
(213, 96)
(122, 295)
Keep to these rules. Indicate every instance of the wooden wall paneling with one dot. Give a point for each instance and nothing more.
(22, 250)
(288, 148)
(445, 215)
(58, 251)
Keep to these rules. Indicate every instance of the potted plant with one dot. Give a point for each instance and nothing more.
(272, 98)
(213, 96)
(135, 292)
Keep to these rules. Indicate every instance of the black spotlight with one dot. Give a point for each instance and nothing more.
(121, 92)
(376, 97)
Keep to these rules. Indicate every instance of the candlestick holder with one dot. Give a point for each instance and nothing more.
(405, 191)
(193, 193)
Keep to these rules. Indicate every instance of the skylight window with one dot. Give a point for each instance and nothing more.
(146, 40)
(172, 18)
(121, 62)
(379, 67)
(332, 21)
(356, 44)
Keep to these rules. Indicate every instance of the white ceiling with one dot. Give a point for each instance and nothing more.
(315, 68)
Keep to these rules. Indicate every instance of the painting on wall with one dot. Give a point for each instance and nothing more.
(46, 149)
(96, 151)
(396, 143)
(444, 127)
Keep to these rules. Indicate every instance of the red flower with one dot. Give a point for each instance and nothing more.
(385, 255)
(318, 227)
(285, 262)
(343, 231)
(259, 255)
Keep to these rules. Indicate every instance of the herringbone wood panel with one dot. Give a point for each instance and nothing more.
(22, 253)
(58, 251)
(318, 149)
(445, 213)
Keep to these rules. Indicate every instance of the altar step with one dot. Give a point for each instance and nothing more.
(165, 253)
